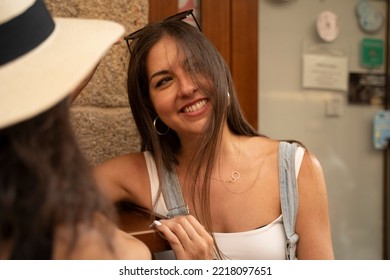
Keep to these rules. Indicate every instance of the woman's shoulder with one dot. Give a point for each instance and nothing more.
(267, 148)
(124, 177)
(121, 166)
(135, 159)
(262, 145)
(128, 247)
(94, 243)
(272, 145)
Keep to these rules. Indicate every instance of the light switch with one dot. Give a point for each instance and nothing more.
(334, 106)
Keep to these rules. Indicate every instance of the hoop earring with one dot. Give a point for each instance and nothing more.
(155, 127)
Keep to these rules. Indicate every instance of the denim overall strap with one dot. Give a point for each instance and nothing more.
(288, 195)
(172, 194)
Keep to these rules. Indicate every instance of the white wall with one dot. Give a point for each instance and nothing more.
(353, 168)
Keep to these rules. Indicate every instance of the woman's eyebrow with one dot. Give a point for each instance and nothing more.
(158, 73)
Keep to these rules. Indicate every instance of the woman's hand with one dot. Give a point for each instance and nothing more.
(187, 237)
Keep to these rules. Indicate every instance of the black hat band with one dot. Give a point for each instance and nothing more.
(24, 32)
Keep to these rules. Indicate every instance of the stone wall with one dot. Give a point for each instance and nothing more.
(101, 114)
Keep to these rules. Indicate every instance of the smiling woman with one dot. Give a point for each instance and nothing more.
(174, 92)
(225, 172)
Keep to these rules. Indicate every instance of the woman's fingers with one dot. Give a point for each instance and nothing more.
(187, 237)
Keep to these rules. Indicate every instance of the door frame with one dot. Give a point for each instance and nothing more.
(386, 153)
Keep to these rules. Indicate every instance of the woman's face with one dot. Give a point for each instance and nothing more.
(176, 97)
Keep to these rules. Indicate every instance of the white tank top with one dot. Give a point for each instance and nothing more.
(268, 242)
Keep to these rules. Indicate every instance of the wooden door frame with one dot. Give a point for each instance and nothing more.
(386, 153)
(158, 10)
(232, 26)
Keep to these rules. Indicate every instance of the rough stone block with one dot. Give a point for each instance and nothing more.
(104, 133)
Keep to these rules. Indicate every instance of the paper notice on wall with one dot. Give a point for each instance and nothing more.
(325, 72)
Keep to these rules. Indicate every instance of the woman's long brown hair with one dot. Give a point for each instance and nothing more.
(44, 182)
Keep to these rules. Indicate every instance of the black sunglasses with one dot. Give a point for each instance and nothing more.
(177, 17)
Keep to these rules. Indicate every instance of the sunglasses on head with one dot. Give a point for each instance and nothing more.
(178, 17)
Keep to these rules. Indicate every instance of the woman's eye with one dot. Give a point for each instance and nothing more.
(163, 81)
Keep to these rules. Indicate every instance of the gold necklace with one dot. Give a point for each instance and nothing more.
(236, 173)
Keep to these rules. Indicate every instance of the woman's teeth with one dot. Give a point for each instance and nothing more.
(197, 106)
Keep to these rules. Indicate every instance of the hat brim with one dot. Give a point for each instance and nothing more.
(41, 78)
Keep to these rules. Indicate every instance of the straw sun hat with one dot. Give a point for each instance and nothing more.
(43, 59)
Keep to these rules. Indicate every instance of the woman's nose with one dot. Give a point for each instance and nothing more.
(187, 85)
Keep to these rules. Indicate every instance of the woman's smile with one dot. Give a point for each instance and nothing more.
(197, 106)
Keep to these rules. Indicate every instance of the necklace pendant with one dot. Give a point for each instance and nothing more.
(235, 176)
